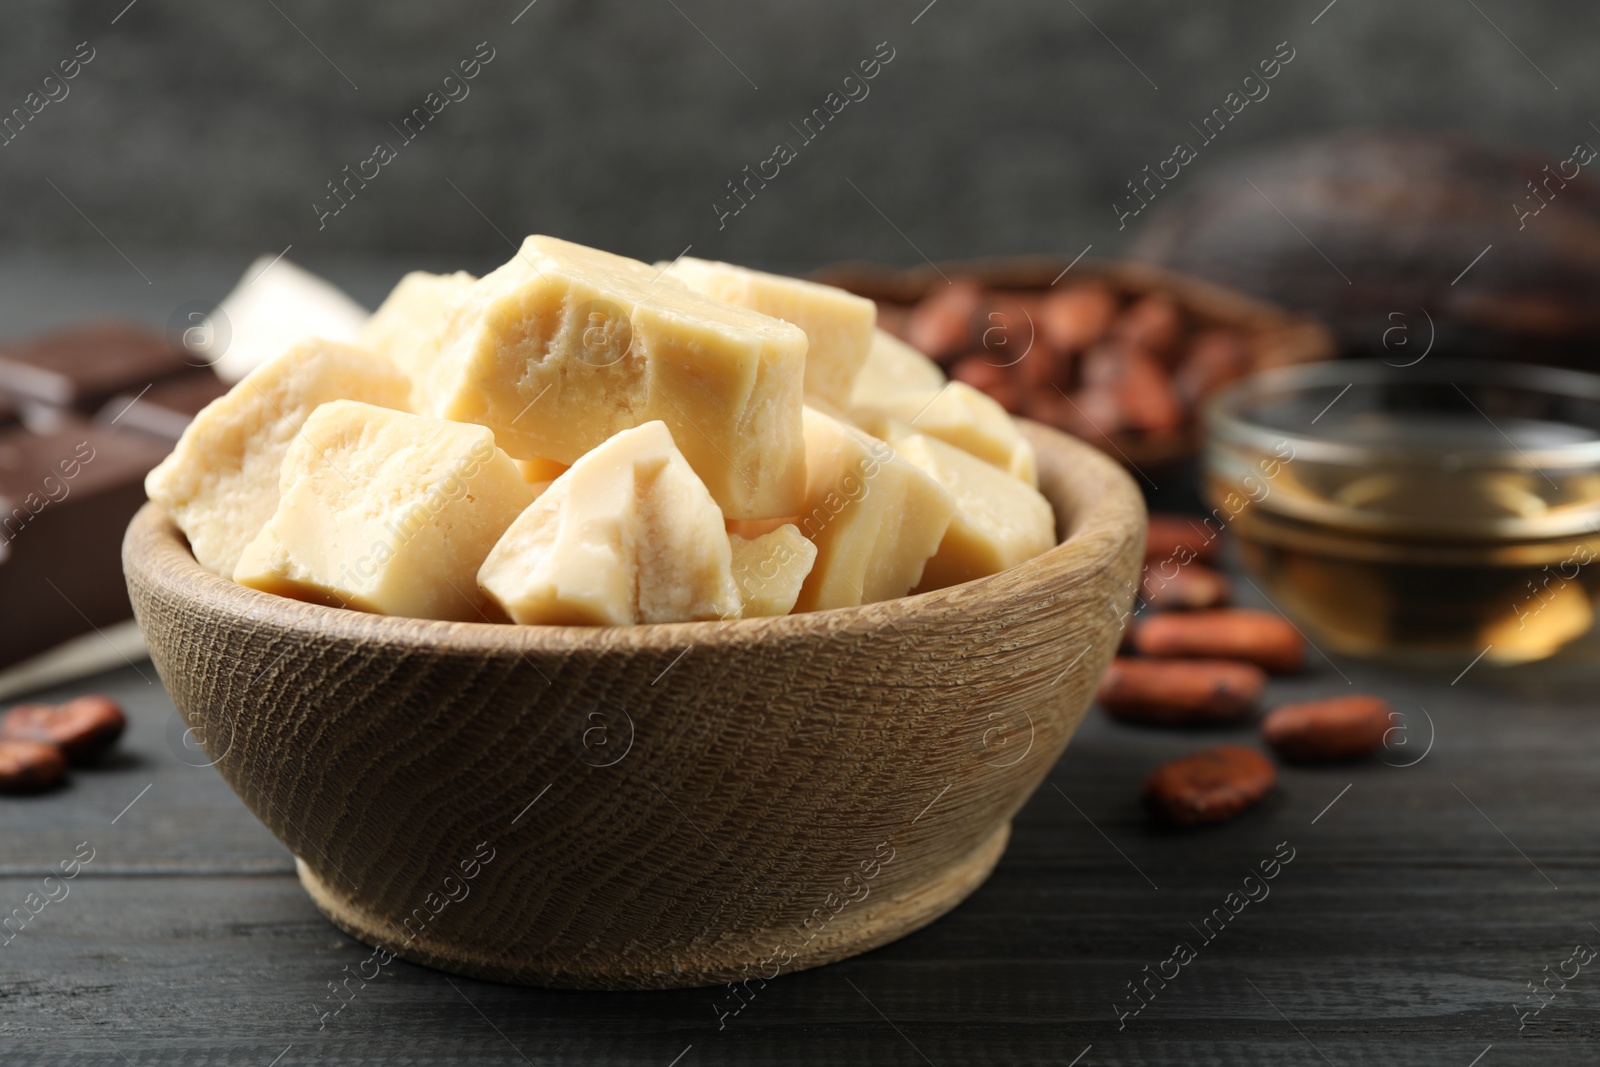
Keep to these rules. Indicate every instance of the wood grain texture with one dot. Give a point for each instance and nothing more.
(884, 747)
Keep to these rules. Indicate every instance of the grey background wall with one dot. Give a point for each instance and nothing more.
(212, 128)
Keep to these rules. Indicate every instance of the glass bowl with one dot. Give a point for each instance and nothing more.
(1424, 513)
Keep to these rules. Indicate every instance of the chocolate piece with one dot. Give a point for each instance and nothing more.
(81, 368)
(65, 498)
(166, 408)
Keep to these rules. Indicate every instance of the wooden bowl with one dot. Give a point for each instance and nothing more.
(1276, 337)
(655, 806)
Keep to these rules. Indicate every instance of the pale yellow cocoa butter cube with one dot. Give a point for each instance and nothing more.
(564, 346)
(220, 484)
(386, 512)
(999, 520)
(874, 517)
(629, 534)
(274, 305)
(770, 569)
(958, 415)
(838, 324)
(410, 323)
(893, 366)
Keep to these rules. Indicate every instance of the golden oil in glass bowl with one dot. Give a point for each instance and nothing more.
(1419, 514)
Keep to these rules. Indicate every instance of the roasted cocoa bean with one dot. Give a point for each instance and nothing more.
(941, 325)
(1179, 537)
(1171, 692)
(1073, 319)
(1340, 728)
(1208, 786)
(29, 766)
(1153, 323)
(1258, 637)
(81, 728)
(1188, 587)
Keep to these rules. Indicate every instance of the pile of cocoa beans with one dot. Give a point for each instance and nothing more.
(1197, 663)
(39, 741)
(1085, 357)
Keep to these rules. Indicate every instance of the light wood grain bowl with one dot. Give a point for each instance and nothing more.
(661, 806)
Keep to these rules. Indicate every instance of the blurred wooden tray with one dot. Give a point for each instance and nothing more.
(1276, 337)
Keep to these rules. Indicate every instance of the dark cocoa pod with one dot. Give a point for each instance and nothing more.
(1387, 234)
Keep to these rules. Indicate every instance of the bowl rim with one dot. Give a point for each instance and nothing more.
(1096, 521)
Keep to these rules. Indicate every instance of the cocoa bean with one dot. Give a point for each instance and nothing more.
(1179, 537)
(29, 766)
(81, 728)
(982, 374)
(1258, 637)
(1159, 692)
(1340, 728)
(1153, 323)
(1213, 359)
(1073, 319)
(1141, 388)
(1191, 587)
(941, 325)
(1208, 786)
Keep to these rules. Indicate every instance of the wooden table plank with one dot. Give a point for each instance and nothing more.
(1403, 932)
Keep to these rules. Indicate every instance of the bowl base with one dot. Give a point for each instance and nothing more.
(852, 931)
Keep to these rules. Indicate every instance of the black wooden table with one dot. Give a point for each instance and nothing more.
(1426, 891)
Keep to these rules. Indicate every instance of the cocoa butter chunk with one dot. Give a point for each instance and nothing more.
(958, 415)
(565, 346)
(1339, 728)
(1269, 641)
(386, 512)
(409, 325)
(82, 728)
(629, 535)
(29, 766)
(274, 305)
(220, 484)
(892, 366)
(1208, 786)
(999, 521)
(83, 367)
(770, 568)
(1157, 692)
(838, 325)
(874, 517)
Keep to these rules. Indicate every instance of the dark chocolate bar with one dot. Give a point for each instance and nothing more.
(166, 408)
(83, 367)
(66, 497)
